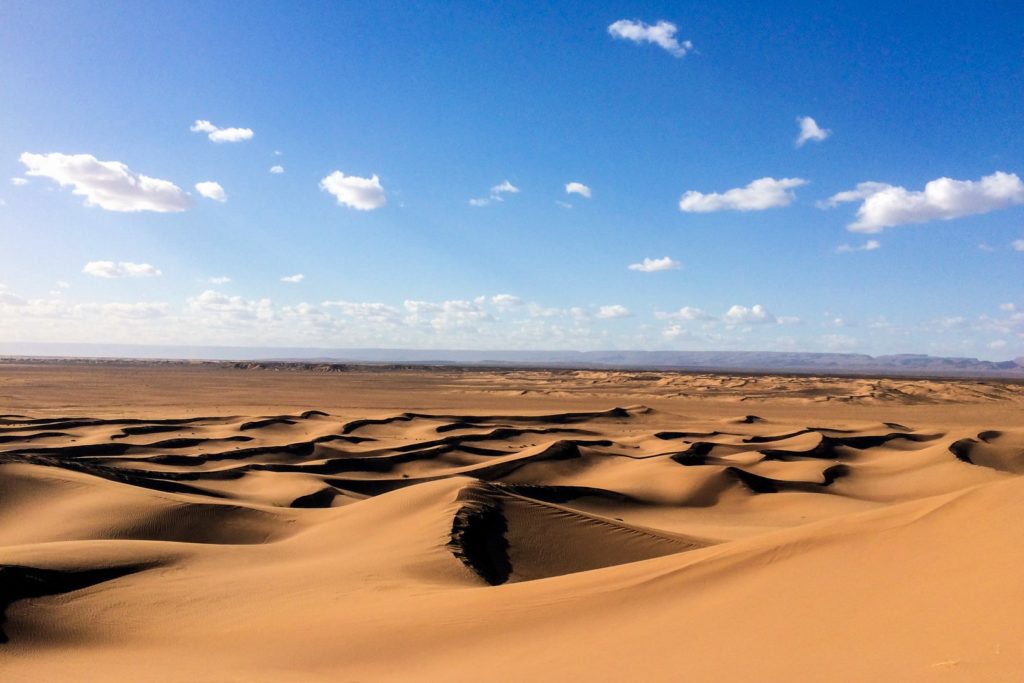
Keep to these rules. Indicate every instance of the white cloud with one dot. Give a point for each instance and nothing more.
(662, 34)
(211, 190)
(504, 187)
(220, 306)
(363, 194)
(18, 182)
(220, 280)
(870, 245)
(578, 188)
(885, 206)
(675, 332)
(613, 311)
(564, 205)
(653, 265)
(110, 269)
(447, 315)
(1017, 245)
(293, 279)
(764, 193)
(109, 185)
(809, 130)
(506, 300)
(276, 169)
(686, 313)
(997, 344)
(741, 315)
(369, 312)
(1009, 307)
(221, 134)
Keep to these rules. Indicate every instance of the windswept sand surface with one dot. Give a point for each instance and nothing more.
(196, 523)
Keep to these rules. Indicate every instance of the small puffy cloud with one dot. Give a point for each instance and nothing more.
(211, 190)
(885, 206)
(293, 279)
(686, 313)
(363, 194)
(578, 188)
(111, 269)
(220, 280)
(809, 130)
(220, 306)
(870, 245)
(109, 185)
(1017, 245)
(675, 332)
(997, 344)
(662, 34)
(653, 265)
(18, 182)
(277, 169)
(564, 205)
(763, 193)
(741, 315)
(502, 188)
(506, 300)
(1008, 307)
(221, 134)
(613, 311)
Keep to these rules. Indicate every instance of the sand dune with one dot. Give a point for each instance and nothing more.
(835, 530)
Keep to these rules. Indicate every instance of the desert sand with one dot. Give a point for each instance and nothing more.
(190, 522)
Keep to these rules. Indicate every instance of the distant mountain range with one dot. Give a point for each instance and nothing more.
(725, 361)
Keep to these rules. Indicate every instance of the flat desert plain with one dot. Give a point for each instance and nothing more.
(200, 522)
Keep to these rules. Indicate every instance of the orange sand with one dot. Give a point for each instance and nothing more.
(170, 523)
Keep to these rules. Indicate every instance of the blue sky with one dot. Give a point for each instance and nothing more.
(664, 113)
